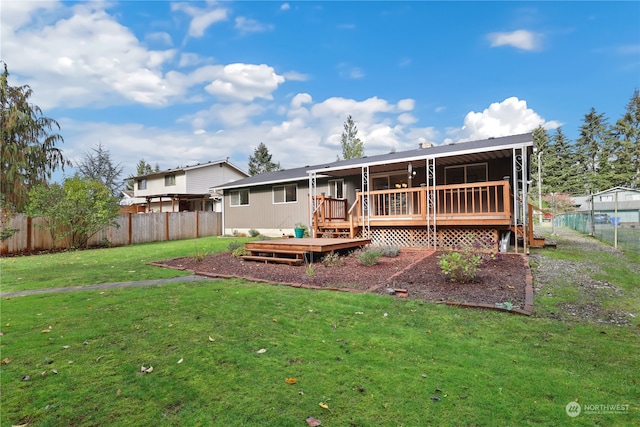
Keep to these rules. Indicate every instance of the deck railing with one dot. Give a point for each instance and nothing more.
(462, 204)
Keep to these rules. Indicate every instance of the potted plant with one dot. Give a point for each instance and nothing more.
(300, 230)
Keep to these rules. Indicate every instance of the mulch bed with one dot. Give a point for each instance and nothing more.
(501, 279)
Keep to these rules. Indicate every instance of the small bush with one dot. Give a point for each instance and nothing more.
(232, 246)
(199, 256)
(369, 256)
(460, 266)
(310, 270)
(254, 233)
(240, 251)
(332, 260)
(390, 251)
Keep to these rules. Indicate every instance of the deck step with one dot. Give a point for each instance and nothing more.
(290, 261)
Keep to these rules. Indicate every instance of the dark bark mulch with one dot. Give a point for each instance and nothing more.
(500, 279)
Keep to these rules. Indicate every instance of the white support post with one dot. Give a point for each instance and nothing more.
(366, 199)
(313, 201)
(431, 201)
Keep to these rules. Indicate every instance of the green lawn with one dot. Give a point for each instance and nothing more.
(374, 360)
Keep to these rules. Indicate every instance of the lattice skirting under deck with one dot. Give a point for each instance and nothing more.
(455, 238)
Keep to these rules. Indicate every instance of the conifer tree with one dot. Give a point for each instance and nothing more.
(352, 146)
(261, 161)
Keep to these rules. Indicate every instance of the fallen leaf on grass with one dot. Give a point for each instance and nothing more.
(5, 360)
(313, 422)
(211, 339)
(262, 350)
(323, 405)
(291, 380)
(180, 361)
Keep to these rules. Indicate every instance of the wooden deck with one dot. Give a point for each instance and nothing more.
(293, 251)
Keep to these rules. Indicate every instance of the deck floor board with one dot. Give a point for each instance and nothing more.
(303, 246)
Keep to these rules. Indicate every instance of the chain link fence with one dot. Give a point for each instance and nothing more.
(605, 228)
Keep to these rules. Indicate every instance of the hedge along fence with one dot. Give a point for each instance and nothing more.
(133, 229)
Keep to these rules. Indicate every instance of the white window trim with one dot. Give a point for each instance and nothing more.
(239, 205)
(273, 194)
(331, 186)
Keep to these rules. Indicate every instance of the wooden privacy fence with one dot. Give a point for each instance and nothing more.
(133, 229)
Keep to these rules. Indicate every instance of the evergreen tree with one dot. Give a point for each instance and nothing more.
(28, 154)
(590, 153)
(559, 166)
(261, 162)
(627, 131)
(538, 162)
(142, 168)
(98, 166)
(352, 146)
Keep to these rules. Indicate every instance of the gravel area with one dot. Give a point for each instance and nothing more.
(553, 276)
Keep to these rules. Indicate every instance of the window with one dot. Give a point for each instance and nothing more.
(142, 184)
(466, 174)
(285, 193)
(170, 180)
(607, 198)
(239, 198)
(336, 188)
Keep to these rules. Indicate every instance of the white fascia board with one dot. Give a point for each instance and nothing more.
(424, 156)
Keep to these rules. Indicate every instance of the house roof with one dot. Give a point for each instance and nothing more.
(473, 151)
(614, 189)
(191, 167)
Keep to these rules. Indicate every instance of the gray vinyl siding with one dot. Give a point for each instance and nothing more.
(262, 213)
(199, 180)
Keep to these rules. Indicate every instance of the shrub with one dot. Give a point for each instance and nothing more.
(254, 233)
(310, 270)
(199, 255)
(369, 256)
(332, 260)
(232, 246)
(390, 251)
(460, 266)
(240, 251)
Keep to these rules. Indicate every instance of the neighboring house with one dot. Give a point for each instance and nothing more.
(130, 204)
(185, 188)
(470, 193)
(620, 202)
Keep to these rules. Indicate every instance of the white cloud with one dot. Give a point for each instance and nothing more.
(247, 25)
(509, 117)
(88, 58)
(296, 76)
(159, 37)
(347, 71)
(521, 39)
(202, 18)
(285, 6)
(245, 82)
(300, 99)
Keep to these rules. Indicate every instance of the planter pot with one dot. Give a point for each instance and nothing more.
(299, 232)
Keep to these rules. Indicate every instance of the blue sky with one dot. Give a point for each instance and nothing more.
(178, 83)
